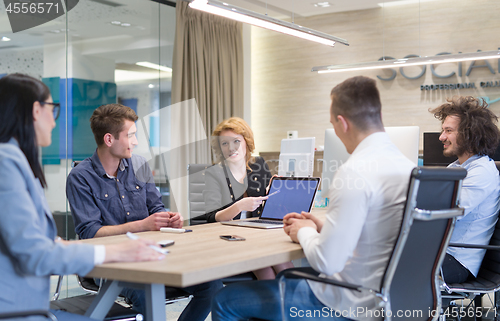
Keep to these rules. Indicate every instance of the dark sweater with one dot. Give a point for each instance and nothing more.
(217, 193)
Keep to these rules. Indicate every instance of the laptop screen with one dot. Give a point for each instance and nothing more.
(289, 194)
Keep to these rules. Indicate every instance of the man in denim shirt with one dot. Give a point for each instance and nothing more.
(469, 132)
(113, 192)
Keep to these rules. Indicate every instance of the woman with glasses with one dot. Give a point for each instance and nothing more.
(56, 108)
(29, 248)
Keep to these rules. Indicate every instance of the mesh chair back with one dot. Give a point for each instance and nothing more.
(410, 281)
(196, 173)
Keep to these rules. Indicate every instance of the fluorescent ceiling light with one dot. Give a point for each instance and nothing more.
(394, 63)
(135, 76)
(260, 20)
(325, 4)
(5, 39)
(153, 66)
(401, 2)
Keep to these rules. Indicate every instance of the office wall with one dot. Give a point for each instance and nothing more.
(28, 61)
(286, 95)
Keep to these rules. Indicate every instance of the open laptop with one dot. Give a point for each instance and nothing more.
(286, 195)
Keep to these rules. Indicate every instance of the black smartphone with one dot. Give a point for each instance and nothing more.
(232, 238)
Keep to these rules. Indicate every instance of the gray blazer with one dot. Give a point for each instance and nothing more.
(28, 253)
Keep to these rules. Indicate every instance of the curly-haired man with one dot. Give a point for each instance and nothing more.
(469, 132)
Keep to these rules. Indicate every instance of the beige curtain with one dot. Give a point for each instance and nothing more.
(207, 67)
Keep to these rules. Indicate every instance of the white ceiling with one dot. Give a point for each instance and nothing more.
(90, 23)
(91, 32)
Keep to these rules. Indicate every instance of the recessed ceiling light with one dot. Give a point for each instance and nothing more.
(324, 4)
(5, 39)
(153, 66)
(116, 23)
(125, 24)
(151, 86)
(55, 31)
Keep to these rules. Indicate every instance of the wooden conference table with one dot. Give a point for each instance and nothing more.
(196, 257)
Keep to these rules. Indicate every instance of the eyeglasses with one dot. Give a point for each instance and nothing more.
(55, 110)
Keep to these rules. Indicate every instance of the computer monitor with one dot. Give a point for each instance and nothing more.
(406, 139)
(296, 157)
(334, 155)
(433, 151)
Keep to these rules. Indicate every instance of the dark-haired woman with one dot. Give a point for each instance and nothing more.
(29, 250)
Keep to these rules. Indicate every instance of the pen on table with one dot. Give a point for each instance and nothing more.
(132, 236)
(174, 230)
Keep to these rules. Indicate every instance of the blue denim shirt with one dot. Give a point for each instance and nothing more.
(480, 197)
(97, 199)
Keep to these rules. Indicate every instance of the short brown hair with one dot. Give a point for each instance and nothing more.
(358, 100)
(240, 127)
(478, 133)
(110, 119)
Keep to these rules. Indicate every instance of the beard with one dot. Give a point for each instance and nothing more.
(449, 153)
(453, 151)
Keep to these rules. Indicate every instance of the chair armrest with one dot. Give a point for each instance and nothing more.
(475, 246)
(12, 315)
(427, 215)
(303, 275)
(58, 288)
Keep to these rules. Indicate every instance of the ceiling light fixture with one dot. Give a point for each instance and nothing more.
(325, 4)
(401, 3)
(116, 23)
(264, 21)
(153, 66)
(429, 60)
(125, 24)
(124, 76)
(5, 39)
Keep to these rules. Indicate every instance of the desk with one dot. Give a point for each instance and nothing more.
(196, 257)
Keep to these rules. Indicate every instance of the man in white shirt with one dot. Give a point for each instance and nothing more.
(355, 241)
(469, 132)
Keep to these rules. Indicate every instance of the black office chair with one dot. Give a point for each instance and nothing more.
(410, 282)
(79, 304)
(196, 185)
(487, 281)
(42, 313)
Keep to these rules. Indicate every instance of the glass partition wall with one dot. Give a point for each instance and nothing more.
(100, 52)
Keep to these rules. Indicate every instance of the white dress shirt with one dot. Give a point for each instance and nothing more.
(367, 198)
